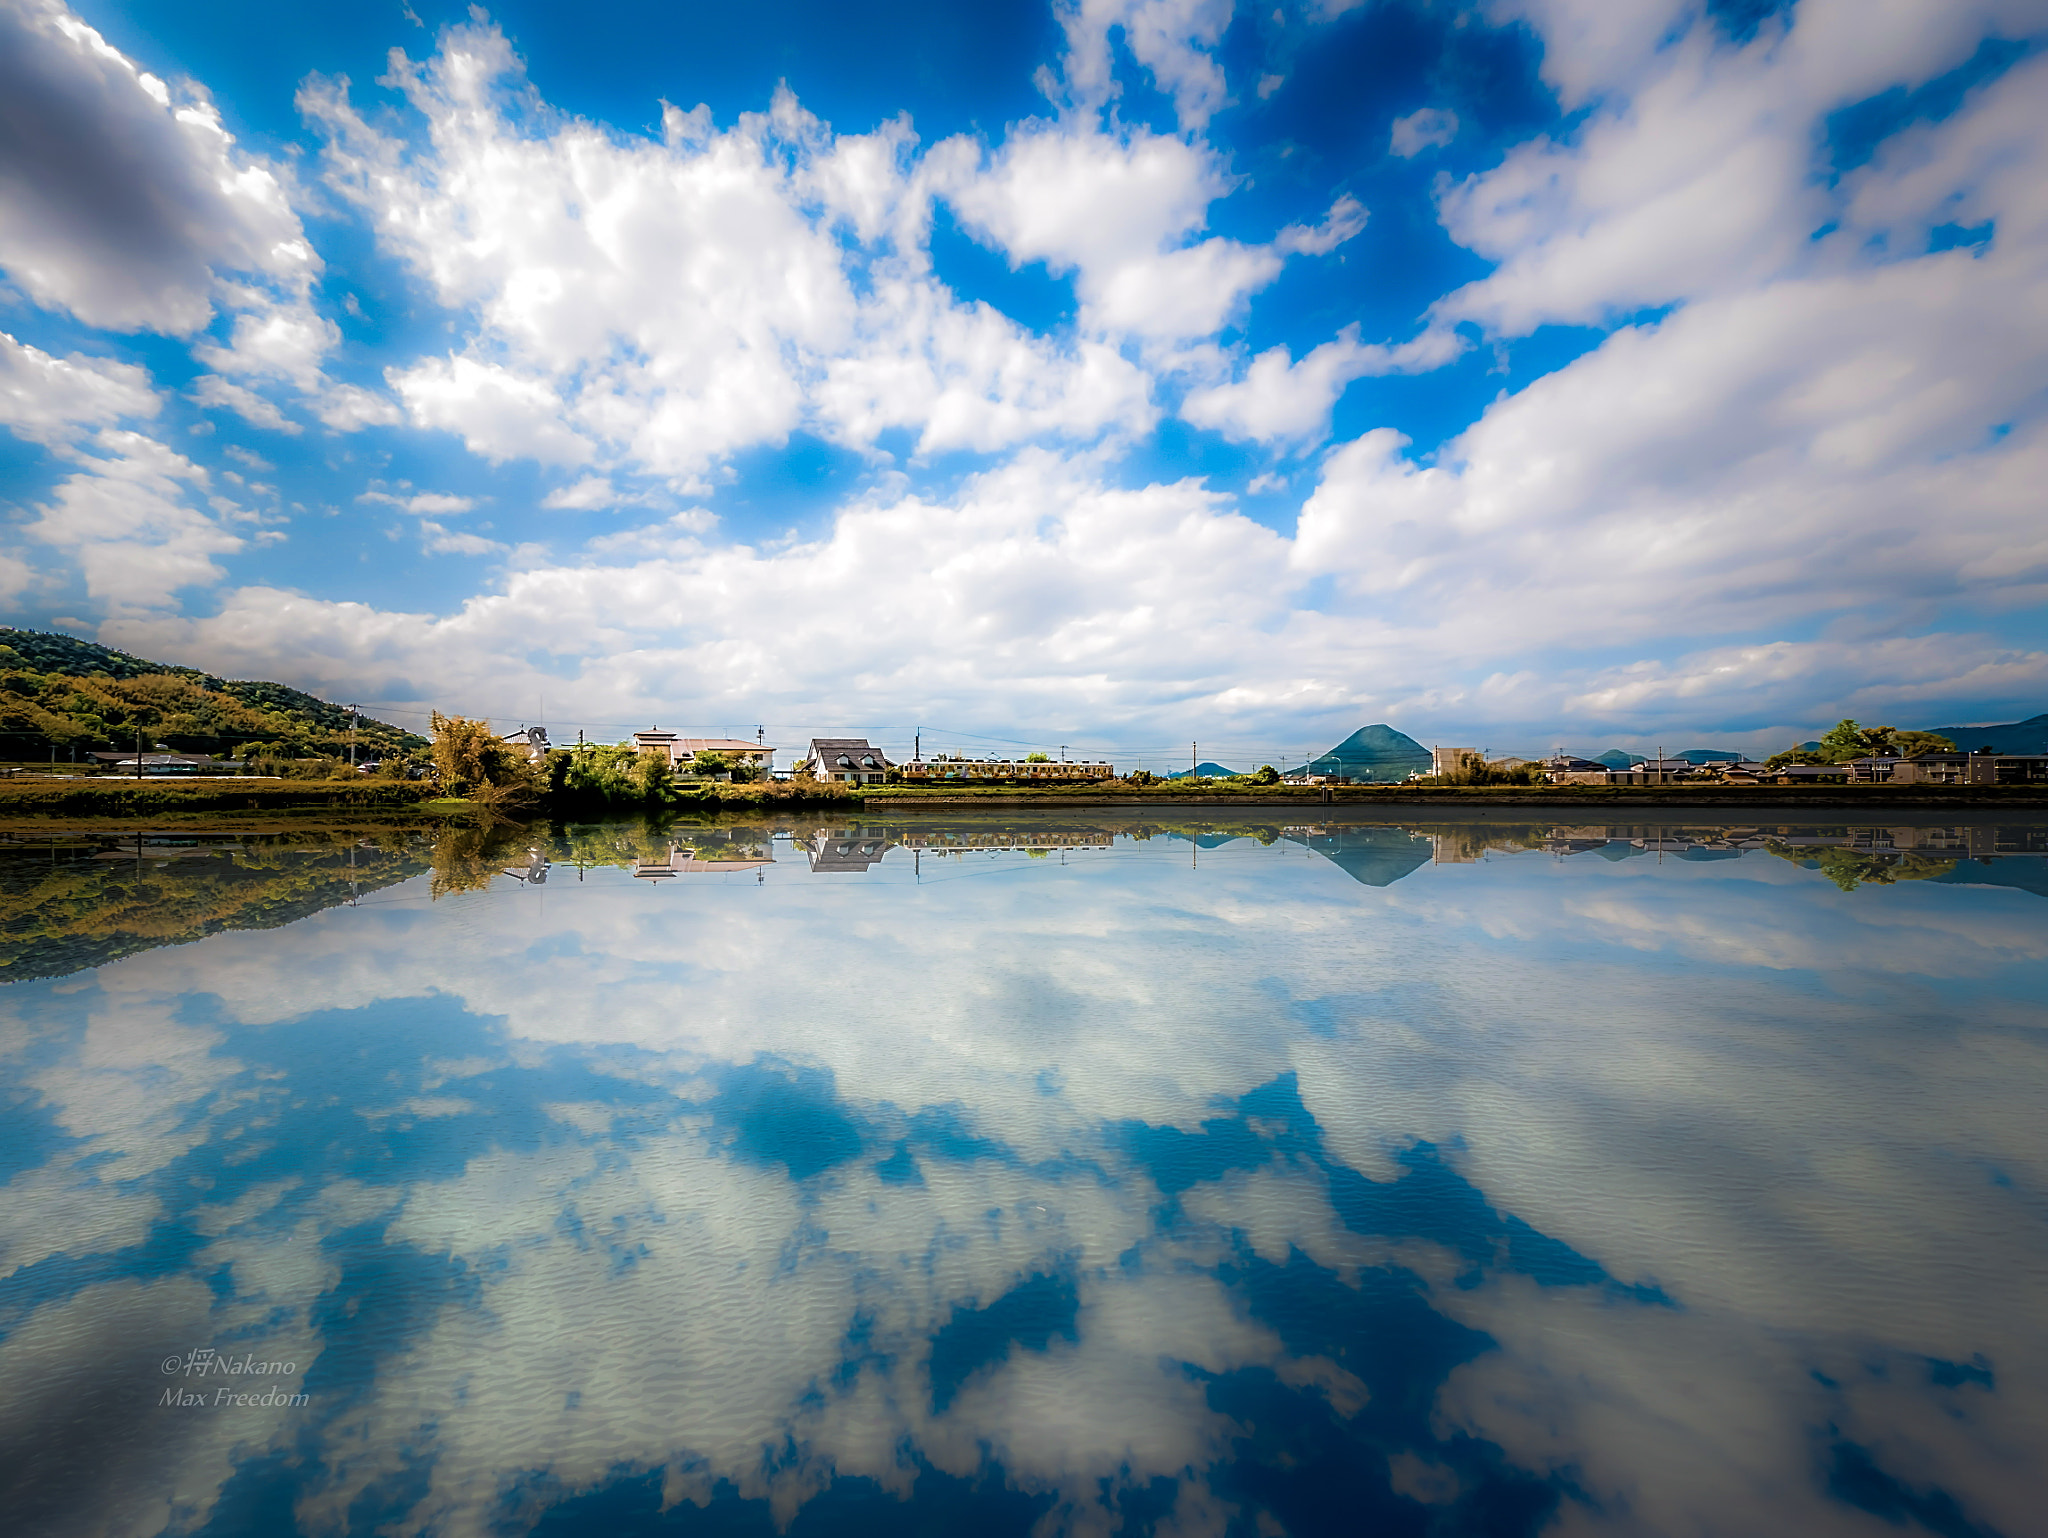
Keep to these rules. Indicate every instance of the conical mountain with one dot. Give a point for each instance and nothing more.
(1373, 753)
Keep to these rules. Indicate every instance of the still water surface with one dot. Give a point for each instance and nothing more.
(1012, 1177)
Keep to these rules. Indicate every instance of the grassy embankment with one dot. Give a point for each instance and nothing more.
(107, 796)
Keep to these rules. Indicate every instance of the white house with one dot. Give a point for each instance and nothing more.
(682, 752)
(848, 759)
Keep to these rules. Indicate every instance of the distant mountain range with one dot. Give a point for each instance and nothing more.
(1204, 770)
(2028, 736)
(1616, 758)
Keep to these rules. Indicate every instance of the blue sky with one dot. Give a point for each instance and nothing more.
(1116, 373)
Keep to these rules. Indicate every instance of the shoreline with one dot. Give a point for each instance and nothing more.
(1772, 799)
(129, 803)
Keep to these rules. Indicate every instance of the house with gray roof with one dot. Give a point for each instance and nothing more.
(850, 760)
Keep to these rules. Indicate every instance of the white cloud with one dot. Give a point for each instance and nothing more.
(1113, 210)
(257, 410)
(119, 197)
(592, 491)
(129, 519)
(1696, 171)
(438, 540)
(439, 502)
(1278, 400)
(656, 306)
(349, 408)
(48, 400)
(498, 413)
(1173, 39)
(1344, 221)
(1423, 129)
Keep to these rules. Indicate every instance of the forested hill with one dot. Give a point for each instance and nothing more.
(77, 696)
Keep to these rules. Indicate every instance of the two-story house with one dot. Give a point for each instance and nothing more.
(848, 759)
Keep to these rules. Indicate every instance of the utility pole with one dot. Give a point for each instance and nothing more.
(138, 761)
(352, 737)
(1063, 752)
(1194, 759)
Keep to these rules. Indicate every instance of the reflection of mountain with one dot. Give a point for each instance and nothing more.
(1375, 856)
(67, 907)
(2025, 874)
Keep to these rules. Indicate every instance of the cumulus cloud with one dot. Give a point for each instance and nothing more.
(257, 410)
(49, 400)
(120, 199)
(1113, 210)
(590, 491)
(440, 503)
(1823, 427)
(1173, 39)
(1279, 399)
(658, 305)
(1423, 129)
(132, 519)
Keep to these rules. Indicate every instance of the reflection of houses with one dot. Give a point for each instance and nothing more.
(944, 766)
(850, 849)
(682, 752)
(534, 872)
(847, 759)
(687, 860)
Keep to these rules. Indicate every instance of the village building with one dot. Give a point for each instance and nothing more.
(847, 760)
(682, 752)
(1950, 769)
(169, 763)
(530, 740)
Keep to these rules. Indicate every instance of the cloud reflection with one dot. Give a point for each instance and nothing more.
(1212, 1176)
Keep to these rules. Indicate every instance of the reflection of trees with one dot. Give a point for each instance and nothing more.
(67, 907)
(1851, 868)
(466, 857)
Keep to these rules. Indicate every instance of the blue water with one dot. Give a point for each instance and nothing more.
(1021, 1176)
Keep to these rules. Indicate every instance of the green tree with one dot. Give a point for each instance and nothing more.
(474, 761)
(1266, 775)
(1037, 758)
(1914, 744)
(711, 765)
(1793, 756)
(1846, 740)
